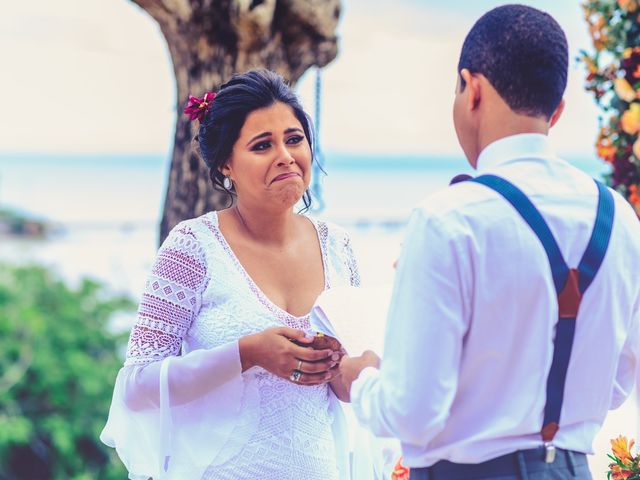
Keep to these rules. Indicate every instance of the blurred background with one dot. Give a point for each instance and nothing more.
(89, 109)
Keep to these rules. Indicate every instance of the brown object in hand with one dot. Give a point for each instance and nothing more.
(322, 342)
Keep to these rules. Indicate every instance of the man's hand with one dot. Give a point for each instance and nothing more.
(350, 368)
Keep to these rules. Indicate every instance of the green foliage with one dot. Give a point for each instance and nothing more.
(58, 361)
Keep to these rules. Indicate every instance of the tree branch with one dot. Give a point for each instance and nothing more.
(166, 12)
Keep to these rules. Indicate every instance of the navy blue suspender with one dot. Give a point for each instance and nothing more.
(570, 285)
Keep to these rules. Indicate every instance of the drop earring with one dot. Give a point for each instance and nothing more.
(227, 183)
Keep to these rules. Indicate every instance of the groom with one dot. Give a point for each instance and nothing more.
(514, 322)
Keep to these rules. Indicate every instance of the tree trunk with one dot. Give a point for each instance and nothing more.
(209, 41)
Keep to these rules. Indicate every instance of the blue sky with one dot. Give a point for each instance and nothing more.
(94, 76)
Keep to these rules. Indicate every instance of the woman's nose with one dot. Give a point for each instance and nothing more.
(284, 157)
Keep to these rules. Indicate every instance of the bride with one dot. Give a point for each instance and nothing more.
(218, 383)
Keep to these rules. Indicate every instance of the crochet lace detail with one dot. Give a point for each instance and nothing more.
(292, 441)
(350, 260)
(171, 296)
(199, 296)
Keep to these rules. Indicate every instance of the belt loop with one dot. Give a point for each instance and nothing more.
(571, 462)
(522, 466)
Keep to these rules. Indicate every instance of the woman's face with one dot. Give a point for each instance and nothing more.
(270, 163)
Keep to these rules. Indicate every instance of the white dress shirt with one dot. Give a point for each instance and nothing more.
(469, 336)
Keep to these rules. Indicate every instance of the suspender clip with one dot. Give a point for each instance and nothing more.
(549, 452)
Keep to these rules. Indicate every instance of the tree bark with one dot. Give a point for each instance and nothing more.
(209, 41)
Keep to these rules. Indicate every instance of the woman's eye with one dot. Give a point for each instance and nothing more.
(260, 146)
(295, 139)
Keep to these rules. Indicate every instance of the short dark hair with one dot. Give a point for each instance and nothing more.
(244, 93)
(523, 53)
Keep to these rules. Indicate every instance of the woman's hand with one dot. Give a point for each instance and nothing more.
(273, 349)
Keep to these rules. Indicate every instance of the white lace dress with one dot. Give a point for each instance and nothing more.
(182, 408)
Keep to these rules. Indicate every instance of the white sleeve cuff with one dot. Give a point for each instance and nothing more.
(361, 393)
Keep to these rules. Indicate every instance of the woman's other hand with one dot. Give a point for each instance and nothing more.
(274, 350)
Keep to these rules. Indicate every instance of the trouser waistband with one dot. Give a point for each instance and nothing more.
(516, 464)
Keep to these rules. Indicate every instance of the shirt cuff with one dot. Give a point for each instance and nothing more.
(360, 393)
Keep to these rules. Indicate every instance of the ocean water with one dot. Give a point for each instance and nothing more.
(112, 189)
(108, 208)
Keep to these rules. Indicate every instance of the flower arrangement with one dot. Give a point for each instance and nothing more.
(613, 76)
(400, 472)
(624, 466)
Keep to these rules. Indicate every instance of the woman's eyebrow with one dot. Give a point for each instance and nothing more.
(260, 135)
(266, 134)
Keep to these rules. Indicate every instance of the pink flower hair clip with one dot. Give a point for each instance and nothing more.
(198, 107)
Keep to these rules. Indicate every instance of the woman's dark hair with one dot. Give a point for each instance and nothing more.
(244, 93)
(523, 53)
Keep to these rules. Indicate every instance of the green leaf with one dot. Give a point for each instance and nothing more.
(55, 405)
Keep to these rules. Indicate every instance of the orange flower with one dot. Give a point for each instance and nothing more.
(400, 472)
(618, 473)
(597, 29)
(621, 447)
(591, 65)
(628, 5)
(630, 121)
(605, 148)
(634, 198)
(624, 90)
(607, 153)
(627, 52)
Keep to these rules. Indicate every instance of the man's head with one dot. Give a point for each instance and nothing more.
(522, 54)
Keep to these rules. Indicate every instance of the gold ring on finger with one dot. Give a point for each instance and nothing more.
(299, 367)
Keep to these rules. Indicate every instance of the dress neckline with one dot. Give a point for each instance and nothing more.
(280, 313)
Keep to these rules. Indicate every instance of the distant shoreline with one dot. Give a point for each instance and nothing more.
(14, 224)
(331, 161)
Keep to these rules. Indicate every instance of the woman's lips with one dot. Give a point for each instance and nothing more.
(284, 176)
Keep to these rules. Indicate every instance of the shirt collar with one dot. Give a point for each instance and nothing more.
(524, 145)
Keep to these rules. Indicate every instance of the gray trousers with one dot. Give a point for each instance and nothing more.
(521, 465)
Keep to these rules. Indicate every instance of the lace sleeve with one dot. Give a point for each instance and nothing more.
(340, 254)
(172, 413)
(171, 298)
(351, 262)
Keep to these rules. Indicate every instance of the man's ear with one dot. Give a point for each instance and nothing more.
(556, 114)
(472, 85)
